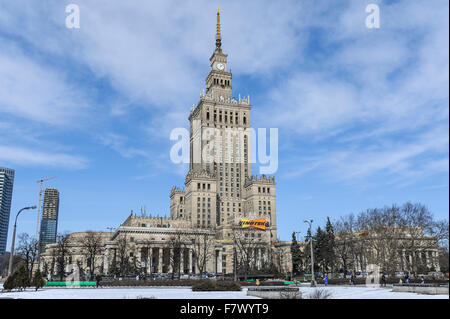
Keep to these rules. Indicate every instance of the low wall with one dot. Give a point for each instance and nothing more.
(275, 292)
(421, 289)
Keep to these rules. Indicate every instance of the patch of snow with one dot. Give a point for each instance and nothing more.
(337, 292)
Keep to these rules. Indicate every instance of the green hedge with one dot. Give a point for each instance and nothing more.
(69, 283)
(209, 285)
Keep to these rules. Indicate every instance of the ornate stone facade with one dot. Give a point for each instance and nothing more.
(218, 191)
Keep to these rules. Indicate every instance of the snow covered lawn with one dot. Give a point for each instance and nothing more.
(343, 292)
(337, 292)
(125, 293)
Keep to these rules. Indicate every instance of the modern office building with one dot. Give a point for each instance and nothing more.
(49, 223)
(6, 190)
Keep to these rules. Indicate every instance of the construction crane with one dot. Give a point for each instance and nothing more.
(41, 181)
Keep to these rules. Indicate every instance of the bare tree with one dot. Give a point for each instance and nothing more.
(28, 250)
(176, 244)
(420, 235)
(202, 246)
(92, 247)
(393, 238)
(345, 242)
(62, 254)
(246, 245)
(122, 254)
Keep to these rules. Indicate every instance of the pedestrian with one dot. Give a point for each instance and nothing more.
(422, 279)
(352, 279)
(49, 276)
(326, 280)
(383, 280)
(98, 278)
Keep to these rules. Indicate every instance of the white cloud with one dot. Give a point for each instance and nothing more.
(35, 92)
(401, 162)
(378, 103)
(365, 87)
(32, 157)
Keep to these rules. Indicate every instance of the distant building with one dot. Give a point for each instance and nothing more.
(6, 190)
(49, 223)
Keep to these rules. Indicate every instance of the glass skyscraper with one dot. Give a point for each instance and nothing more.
(49, 223)
(6, 190)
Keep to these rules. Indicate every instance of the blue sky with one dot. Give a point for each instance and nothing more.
(362, 113)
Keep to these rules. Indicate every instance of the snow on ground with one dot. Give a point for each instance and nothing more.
(337, 292)
(125, 293)
(363, 292)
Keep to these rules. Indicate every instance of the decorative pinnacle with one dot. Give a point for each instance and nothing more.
(218, 36)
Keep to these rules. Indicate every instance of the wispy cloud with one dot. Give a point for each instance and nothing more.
(32, 157)
(364, 100)
(377, 103)
(37, 92)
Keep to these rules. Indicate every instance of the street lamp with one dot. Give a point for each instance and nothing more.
(313, 281)
(11, 256)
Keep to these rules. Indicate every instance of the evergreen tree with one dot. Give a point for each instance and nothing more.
(330, 254)
(10, 282)
(38, 281)
(297, 265)
(320, 248)
(22, 280)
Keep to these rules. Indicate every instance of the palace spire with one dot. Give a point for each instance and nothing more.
(218, 35)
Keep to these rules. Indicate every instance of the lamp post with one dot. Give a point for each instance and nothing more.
(11, 256)
(313, 280)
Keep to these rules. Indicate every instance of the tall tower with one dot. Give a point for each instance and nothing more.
(219, 147)
(49, 224)
(6, 190)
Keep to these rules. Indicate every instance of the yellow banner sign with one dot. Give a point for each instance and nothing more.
(255, 223)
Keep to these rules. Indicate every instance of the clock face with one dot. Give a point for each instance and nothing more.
(220, 66)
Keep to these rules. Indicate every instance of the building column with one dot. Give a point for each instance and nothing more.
(403, 260)
(182, 260)
(160, 260)
(219, 262)
(436, 260)
(150, 259)
(259, 258)
(190, 260)
(139, 257)
(253, 256)
(170, 260)
(106, 262)
(264, 255)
